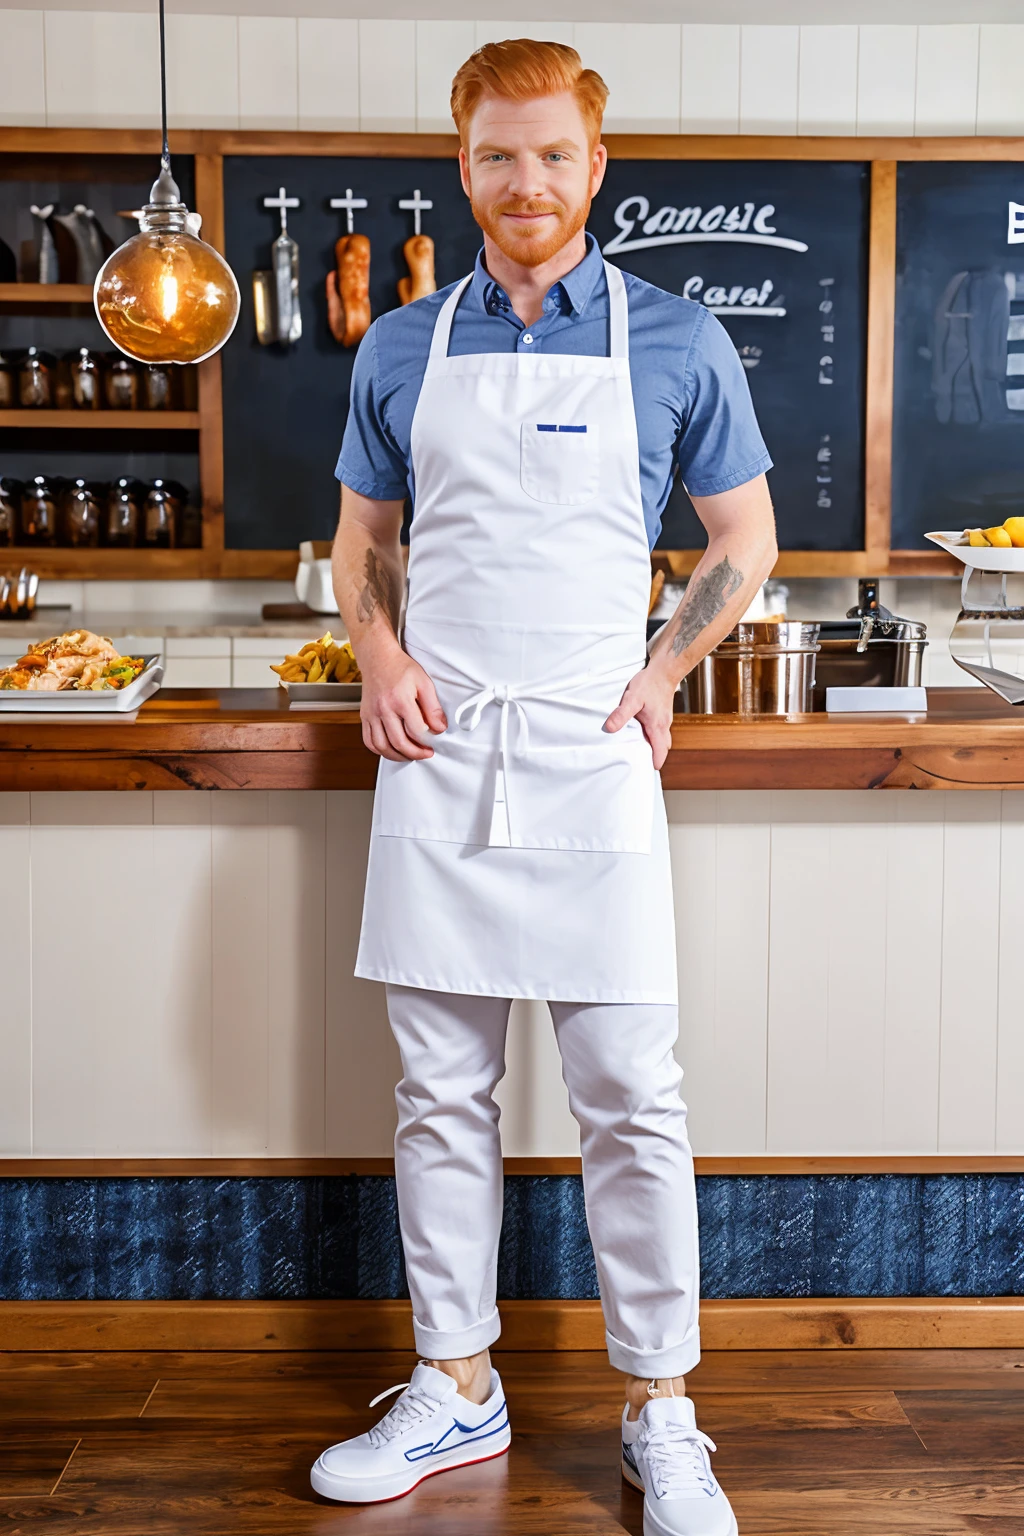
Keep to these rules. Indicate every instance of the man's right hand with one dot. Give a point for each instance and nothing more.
(400, 707)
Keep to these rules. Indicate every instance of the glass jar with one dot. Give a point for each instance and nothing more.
(10, 496)
(160, 517)
(8, 383)
(157, 387)
(38, 512)
(81, 516)
(121, 520)
(122, 383)
(35, 380)
(86, 393)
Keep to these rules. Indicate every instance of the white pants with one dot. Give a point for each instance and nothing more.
(623, 1084)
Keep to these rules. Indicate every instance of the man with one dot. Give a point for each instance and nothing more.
(536, 412)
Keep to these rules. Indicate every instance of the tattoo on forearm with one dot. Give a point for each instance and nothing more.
(379, 591)
(705, 598)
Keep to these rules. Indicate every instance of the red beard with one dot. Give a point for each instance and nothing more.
(527, 245)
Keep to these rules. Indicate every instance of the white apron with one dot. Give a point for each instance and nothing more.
(529, 856)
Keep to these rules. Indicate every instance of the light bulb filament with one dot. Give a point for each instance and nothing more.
(168, 295)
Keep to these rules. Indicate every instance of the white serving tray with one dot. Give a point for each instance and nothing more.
(978, 559)
(323, 695)
(111, 701)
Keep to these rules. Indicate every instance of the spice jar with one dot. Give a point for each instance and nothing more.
(160, 517)
(157, 387)
(38, 512)
(8, 383)
(81, 516)
(85, 380)
(35, 380)
(122, 383)
(121, 519)
(10, 495)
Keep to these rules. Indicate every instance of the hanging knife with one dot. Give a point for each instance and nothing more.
(284, 260)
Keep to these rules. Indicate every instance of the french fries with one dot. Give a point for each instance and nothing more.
(320, 661)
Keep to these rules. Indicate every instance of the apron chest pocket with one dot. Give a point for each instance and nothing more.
(559, 463)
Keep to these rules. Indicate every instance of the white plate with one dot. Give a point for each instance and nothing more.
(110, 701)
(978, 559)
(323, 695)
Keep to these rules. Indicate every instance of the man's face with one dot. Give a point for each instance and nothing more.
(530, 173)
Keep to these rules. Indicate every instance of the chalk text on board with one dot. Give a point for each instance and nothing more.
(1015, 225)
(737, 300)
(693, 224)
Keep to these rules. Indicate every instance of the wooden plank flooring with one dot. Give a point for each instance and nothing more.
(867, 1443)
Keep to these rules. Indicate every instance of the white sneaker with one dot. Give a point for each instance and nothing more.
(665, 1455)
(430, 1429)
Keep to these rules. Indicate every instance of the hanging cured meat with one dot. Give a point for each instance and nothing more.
(348, 290)
(418, 251)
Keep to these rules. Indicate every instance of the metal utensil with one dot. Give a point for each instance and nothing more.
(759, 669)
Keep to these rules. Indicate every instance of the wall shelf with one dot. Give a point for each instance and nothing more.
(104, 421)
(35, 294)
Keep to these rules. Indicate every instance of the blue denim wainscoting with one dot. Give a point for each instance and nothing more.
(222, 1238)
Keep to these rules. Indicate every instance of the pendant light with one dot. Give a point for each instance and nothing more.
(165, 296)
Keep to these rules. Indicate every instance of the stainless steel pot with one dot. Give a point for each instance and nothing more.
(759, 669)
(890, 654)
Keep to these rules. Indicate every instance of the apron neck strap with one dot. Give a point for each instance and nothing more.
(618, 316)
(618, 312)
(443, 323)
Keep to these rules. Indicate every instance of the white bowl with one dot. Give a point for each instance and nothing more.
(978, 559)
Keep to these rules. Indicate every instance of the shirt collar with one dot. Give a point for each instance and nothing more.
(573, 291)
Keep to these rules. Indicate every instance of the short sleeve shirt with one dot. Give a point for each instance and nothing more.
(693, 408)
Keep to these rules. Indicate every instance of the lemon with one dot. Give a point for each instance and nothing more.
(1015, 528)
(998, 538)
(977, 538)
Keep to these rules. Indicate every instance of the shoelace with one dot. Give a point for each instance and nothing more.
(410, 1408)
(676, 1461)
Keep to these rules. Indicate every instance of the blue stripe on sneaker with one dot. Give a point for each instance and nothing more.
(473, 1433)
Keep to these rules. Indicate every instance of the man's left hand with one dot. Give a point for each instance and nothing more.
(649, 698)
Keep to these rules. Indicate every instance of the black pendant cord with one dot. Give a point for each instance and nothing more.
(165, 153)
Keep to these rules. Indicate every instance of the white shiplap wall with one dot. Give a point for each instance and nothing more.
(177, 978)
(98, 69)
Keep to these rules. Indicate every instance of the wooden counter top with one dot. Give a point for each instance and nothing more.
(249, 739)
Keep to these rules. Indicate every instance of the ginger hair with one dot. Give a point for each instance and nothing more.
(521, 70)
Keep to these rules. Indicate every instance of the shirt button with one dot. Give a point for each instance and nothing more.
(527, 338)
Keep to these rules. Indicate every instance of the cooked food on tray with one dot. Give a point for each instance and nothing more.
(321, 661)
(77, 660)
(1008, 535)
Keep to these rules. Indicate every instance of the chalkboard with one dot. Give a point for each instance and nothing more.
(958, 389)
(777, 248)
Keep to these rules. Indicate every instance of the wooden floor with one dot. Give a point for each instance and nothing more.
(812, 1443)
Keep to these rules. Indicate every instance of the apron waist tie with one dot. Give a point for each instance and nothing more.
(507, 696)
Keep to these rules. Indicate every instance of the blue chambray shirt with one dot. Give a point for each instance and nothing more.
(693, 406)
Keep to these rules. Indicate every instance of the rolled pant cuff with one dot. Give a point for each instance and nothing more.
(433, 1344)
(674, 1361)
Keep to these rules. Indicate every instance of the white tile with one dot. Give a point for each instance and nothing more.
(540, 31)
(23, 98)
(102, 69)
(298, 930)
(442, 47)
(241, 938)
(198, 672)
(387, 76)
(769, 58)
(535, 1116)
(272, 648)
(197, 645)
(827, 98)
(16, 970)
(1000, 96)
(1010, 1086)
(91, 808)
(913, 972)
(970, 973)
(710, 97)
(640, 64)
(947, 79)
(362, 1059)
(886, 79)
(268, 72)
(693, 819)
(202, 71)
(328, 74)
(253, 672)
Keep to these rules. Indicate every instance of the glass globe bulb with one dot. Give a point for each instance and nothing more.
(165, 296)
